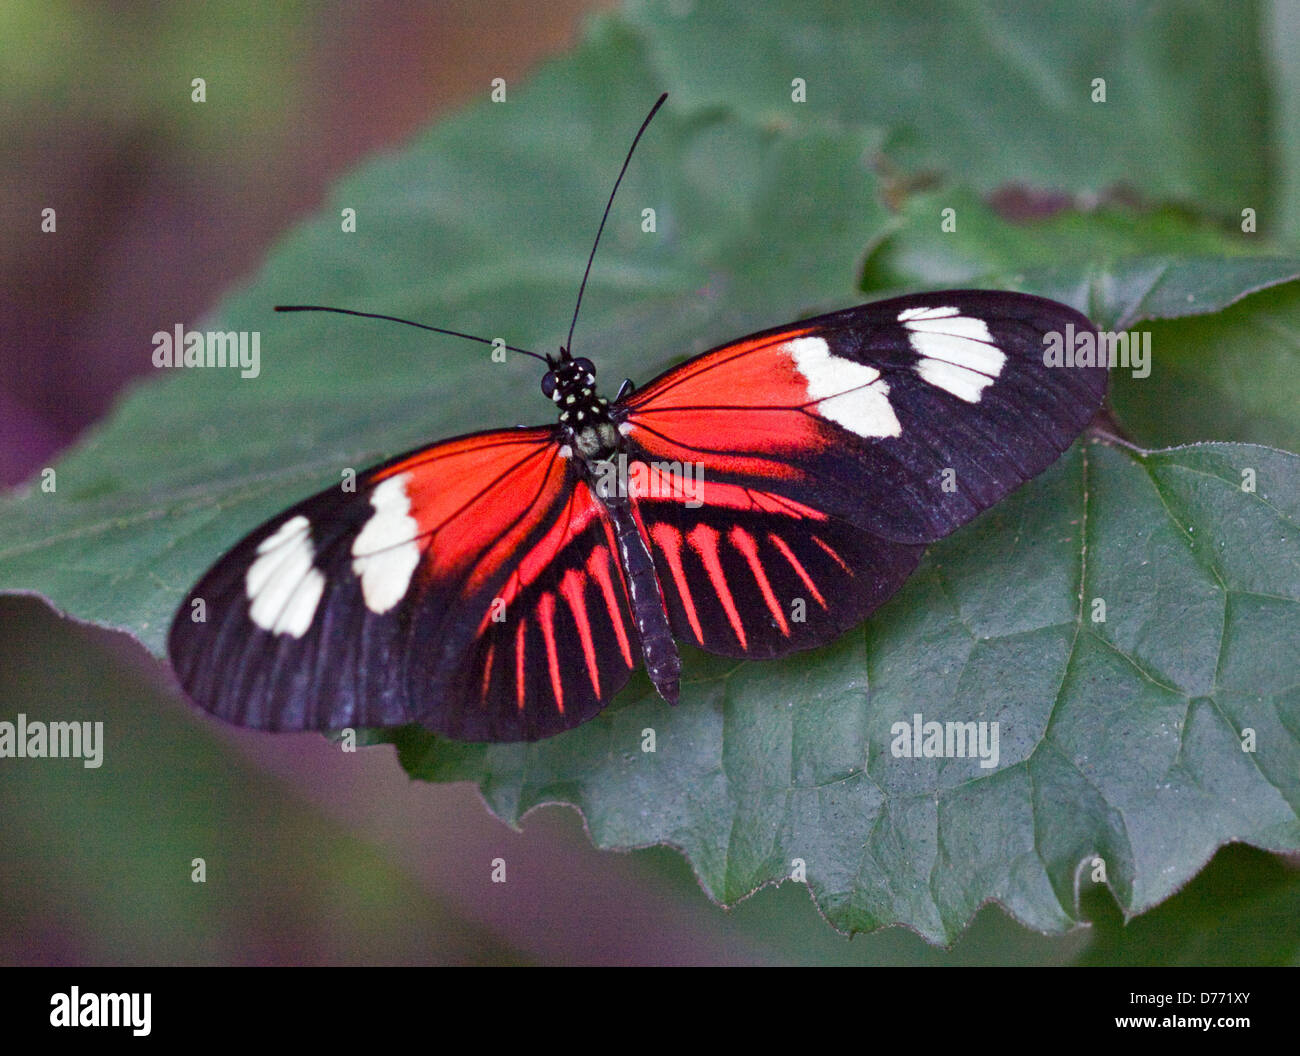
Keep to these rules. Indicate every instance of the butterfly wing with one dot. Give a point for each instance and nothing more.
(553, 645)
(750, 573)
(906, 417)
(791, 479)
(442, 590)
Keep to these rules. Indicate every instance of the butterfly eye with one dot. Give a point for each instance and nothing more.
(548, 384)
(586, 366)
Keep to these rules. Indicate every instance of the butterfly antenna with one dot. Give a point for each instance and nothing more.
(637, 139)
(408, 322)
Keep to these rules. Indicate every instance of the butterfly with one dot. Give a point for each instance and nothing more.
(756, 500)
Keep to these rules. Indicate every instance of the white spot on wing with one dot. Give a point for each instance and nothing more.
(385, 552)
(957, 351)
(851, 394)
(283, 585)
(925, 312)
(960, 350)
(964, 384)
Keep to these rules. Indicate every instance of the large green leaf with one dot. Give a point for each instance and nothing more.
(975, 241)
(1118, 739)
(999, 92)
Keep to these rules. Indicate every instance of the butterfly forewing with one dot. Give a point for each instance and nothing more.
(906, 417)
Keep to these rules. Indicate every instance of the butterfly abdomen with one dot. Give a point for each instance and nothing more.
(645, 597)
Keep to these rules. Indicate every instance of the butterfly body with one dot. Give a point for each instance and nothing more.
(591, 439)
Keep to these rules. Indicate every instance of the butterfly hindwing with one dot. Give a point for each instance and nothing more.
(550, 647)
(749, 574)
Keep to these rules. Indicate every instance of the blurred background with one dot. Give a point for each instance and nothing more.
(315, 856)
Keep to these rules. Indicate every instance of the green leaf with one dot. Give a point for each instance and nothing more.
(1230, 376)
(980, 245)
(998, 94)
(1119, 739)
(1113, 736)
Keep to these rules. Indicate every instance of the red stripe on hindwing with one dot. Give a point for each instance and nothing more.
(487, 671)
(598, 567)
(669, 540)
(521, 686)
(546, 616)
(744, 542)
(659, 481)
(831, 550)
(705, 542)
(799, 570)
(573, 589)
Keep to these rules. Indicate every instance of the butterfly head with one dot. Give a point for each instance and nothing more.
(569, 381)
(571, 384)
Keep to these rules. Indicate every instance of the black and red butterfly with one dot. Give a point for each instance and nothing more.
(756, 500)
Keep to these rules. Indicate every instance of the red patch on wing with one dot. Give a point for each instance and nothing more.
(476, 499)
(573, 519)
(657, 481)
(736, 404)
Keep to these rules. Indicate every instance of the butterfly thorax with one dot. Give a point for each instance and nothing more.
(584, 415)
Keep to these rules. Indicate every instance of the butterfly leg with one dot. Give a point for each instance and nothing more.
(663, 664)
(626, 389)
